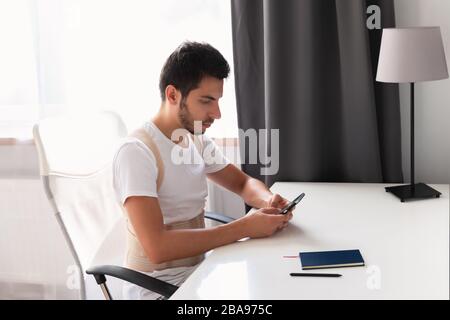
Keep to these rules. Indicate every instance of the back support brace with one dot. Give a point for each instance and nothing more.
(136, 258)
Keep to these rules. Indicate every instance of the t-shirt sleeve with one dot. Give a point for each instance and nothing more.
(213, 156)
(134, 171)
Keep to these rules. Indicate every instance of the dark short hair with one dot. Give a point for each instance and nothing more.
(188, 64)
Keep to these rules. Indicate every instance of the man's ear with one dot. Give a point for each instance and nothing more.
(172, 94)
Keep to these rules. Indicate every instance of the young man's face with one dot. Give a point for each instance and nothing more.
(201, 104)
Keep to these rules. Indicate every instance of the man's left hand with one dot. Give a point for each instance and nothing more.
(277, 201)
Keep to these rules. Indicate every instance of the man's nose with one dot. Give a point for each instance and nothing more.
(216, 113)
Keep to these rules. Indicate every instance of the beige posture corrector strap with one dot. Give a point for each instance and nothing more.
(147, 139)
(136, 258)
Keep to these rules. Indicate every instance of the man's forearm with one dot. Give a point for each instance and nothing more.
(179, 244)
(255, 193)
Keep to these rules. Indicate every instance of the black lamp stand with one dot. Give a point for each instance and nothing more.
(413, 190)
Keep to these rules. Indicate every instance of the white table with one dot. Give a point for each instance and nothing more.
(405, 247)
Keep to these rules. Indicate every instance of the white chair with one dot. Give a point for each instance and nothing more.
(75, 156)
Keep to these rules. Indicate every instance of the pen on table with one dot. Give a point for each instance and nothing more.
(330, 275)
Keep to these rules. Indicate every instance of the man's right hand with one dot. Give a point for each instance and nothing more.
(264, 222)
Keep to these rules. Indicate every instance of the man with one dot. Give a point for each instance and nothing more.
(191, 84)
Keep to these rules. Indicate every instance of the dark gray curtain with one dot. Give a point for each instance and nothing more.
(307, 68)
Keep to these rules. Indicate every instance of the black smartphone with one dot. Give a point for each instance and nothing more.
(292, 204)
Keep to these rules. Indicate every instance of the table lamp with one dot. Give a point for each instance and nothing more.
(409, 55)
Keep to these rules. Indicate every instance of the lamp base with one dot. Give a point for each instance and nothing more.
(416, 191)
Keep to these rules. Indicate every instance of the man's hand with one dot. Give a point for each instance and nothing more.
(277, 201)
(263, 222)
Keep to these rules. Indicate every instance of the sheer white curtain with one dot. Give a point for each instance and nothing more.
(106, 54)
(18, 74)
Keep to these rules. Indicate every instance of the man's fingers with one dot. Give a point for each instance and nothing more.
(275, 200)
(283, 203)
(283, 225)
(288, 217)
(271, 210)
(292, 210)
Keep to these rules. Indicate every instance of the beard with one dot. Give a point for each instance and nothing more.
(187, 120)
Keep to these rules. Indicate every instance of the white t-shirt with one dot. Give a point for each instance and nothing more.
(183, 192)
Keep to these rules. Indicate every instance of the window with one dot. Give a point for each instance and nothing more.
(18, 76)
(107, 54)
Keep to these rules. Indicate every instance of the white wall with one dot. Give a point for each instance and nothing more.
(34, 258)
(432, 111)
(19, 161)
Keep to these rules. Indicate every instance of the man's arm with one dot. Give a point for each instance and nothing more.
(254, 192)
(162, 245)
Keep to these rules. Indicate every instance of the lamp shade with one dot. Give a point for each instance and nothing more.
(411, 55)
